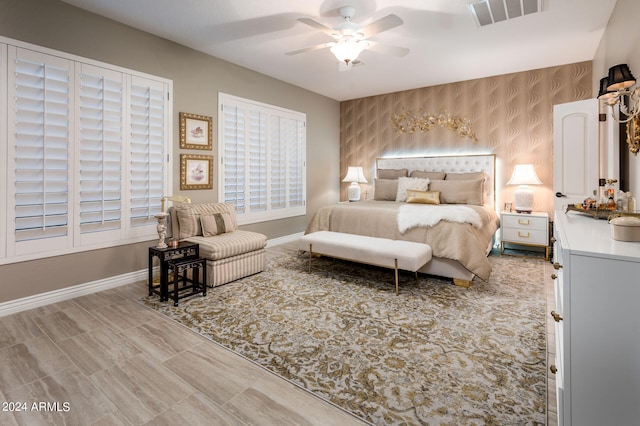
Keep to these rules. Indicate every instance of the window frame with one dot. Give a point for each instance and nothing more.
(269, 213)
(74, 241)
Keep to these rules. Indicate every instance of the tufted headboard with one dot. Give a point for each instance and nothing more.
(451, 164)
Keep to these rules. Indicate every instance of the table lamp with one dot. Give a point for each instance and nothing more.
(355, 175)
(524, 175)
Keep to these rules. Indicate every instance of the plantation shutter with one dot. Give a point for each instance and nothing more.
(234, 156)
(263, 162)
(296, 163)
(101, 120)
(278, 163)
(147, 150)
(257, 161)
(39, 157)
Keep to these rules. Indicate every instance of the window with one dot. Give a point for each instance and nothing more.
(86, 153)
(262, 165)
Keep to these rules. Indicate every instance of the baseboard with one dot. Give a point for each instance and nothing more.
(285, 239)
(30, 302)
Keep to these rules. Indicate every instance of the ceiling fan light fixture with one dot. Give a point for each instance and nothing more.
(347, 50)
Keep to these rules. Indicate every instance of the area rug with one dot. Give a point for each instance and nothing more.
(434, 354)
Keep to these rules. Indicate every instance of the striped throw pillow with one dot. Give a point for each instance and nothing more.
(216, 224)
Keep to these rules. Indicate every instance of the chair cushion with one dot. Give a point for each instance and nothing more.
(229, 244)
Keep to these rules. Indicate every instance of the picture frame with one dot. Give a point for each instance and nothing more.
(196, 171)
(195, 131)
(508, 207)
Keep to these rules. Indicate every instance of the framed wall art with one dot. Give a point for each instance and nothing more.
(196, 171)
(195, 131)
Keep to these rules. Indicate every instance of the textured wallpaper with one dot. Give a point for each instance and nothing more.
(512, 116)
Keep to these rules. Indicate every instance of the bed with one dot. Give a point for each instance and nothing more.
(460, 230)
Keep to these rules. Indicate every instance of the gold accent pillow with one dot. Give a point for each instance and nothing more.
(423, 197)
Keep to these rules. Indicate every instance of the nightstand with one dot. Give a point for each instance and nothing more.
(525, 229)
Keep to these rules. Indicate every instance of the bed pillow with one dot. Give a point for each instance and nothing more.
(465, 176)
(406, 183)
(427, 175)
(385, 189)
(216, 224)
(423, 197)
(392, 173)
(459, 191)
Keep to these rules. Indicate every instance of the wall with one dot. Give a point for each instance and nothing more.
(512, 116)
(621, 45)
(197, 79)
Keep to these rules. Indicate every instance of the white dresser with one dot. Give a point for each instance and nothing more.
(597, 313)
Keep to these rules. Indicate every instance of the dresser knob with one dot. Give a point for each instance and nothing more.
(556, 266)
(556, 316)
(553, 369)
(554, 276)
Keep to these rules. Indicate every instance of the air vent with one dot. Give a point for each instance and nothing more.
(486, 12)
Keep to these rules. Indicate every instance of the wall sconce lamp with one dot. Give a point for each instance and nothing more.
(617, 89)
(524, 175)
(355, 175)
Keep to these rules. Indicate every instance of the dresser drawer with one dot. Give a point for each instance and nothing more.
(525, 236)
(525, 222)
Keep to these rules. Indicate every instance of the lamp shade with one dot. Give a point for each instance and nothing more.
(355, 174)
(347, 50)
(620, 77)
(604, 93)
(524, 175)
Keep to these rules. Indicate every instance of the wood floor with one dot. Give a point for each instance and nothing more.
(104, 359)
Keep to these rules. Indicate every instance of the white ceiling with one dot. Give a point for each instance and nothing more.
(445, 43)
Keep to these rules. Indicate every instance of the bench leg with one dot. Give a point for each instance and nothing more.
(396, 260)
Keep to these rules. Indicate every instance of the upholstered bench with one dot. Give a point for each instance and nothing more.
(231, 253)
(396, 254)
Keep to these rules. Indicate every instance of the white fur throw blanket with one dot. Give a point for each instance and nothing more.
(414, 215)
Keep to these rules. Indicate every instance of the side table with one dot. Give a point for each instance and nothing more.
(525, 229)
(184, 249)
(180, 269)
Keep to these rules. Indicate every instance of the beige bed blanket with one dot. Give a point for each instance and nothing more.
(457, 241)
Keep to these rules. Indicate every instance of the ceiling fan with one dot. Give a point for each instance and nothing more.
(350, 39)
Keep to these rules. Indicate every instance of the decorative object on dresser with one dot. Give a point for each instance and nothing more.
(596, 324)
(195, 131)
(524, 175)
(355, 175)
(525, 230)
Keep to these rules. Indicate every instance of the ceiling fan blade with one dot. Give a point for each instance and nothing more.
(382, 24)
(387, 49)
(317, 25)
(310, 48)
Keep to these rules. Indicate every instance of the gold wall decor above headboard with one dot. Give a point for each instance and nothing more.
(408, 122)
